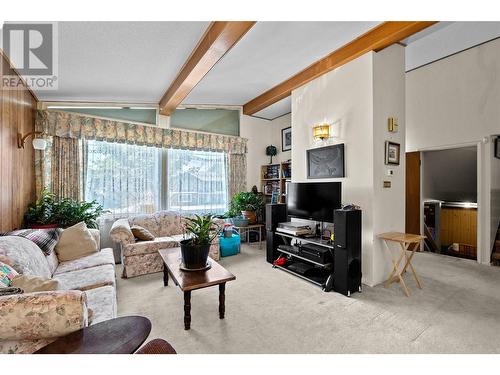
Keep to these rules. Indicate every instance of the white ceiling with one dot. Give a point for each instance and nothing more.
(268, 54)
(121, 61)
(447, 38)
(135, 62)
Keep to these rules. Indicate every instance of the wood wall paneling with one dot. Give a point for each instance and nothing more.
(17, 178)
(459, 225)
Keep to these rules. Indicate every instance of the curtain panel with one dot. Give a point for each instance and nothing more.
(66, 168)
(237, 173)
(64, 125)
(71, 125)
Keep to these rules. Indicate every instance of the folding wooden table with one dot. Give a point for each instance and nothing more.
(405, 240)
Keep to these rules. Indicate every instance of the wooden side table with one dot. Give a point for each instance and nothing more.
(188, 281)
(115, 336)
(405, 240)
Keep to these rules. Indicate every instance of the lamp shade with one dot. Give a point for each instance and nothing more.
(321, 131)
(39, 144)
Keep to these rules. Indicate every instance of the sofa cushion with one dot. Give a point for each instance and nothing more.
(169, 223)
(105, 256)
(45, 239)
(148, 247)
(141, 233)
(52, 261)
(76, 242)
(102, 302)
(34, 284)
(7, 274)
(26, 257)
(147, 221)
(88, 278)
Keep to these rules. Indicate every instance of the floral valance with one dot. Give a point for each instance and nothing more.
(71, 125)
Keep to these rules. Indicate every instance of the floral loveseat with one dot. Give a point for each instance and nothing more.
(86, 295)
(142, 257)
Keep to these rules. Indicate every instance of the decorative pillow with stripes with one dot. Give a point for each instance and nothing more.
(45, 239)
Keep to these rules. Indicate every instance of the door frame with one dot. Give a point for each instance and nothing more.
(483, 149)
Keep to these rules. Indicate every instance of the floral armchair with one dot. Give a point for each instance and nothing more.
(142, 257)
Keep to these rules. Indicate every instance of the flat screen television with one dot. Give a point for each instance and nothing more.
(314, 200)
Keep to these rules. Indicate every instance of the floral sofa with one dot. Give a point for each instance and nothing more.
(86, 295)
(142, 257)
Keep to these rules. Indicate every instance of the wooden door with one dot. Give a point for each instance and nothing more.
(413, 192)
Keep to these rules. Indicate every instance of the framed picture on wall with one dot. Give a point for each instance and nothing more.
(392, 153)
(326, 162)
(286, 139)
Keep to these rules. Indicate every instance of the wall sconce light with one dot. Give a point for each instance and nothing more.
(321, 132)
(38, 143)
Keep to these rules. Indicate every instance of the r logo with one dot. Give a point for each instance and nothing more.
(30, 47)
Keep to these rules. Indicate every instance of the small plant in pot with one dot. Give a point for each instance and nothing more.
(202, 230)
(249, 204)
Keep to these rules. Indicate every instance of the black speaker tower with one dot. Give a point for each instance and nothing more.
(275, 213)
(347, 253)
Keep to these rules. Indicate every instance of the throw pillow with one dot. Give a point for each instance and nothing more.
(141, 233)
(34, 283)
(75, 242)
(45, 239)
(7, 273)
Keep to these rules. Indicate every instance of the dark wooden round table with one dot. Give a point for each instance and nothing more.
(115, 336)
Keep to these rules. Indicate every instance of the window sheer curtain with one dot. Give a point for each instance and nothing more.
(124, 178)
(197, 181)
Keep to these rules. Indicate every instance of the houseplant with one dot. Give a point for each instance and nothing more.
(48, 212)
(249, 204)
(202, 230)
(40, 213)
(271, 151)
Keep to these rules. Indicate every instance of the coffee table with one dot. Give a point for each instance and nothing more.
(188, 281)
(115, 336)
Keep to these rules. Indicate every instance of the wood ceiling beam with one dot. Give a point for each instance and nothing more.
(376, 39)
(218, 39)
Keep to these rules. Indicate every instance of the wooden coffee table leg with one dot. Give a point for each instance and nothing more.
(187, 310)
(165, 275)
(222, 300)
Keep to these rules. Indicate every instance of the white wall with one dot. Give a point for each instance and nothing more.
(389, 203)
(359, 97)
(455, 101)
(258, 133)
(277, 125)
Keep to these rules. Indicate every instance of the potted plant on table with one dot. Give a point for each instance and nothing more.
(202, 230)
(249, 204)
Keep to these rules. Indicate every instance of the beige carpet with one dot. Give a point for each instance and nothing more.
(269, 311)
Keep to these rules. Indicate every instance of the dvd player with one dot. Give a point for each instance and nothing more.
(295, 228)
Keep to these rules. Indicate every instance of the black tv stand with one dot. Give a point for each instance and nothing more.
(318, 273)
(338, 268)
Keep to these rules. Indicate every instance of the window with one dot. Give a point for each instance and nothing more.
(220, 121)
(123, 178)
(129, 179)
(197, 181)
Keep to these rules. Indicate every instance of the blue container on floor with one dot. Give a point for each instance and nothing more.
(229, 245)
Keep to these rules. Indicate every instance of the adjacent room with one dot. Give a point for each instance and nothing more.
(217, 187)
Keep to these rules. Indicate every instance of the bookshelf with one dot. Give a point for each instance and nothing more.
(273, 178)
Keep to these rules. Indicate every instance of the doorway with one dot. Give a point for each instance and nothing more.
(442, 200)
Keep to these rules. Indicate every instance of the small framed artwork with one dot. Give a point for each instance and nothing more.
(326, 162)
(286, 139)
(392, 153)
(274, 197)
